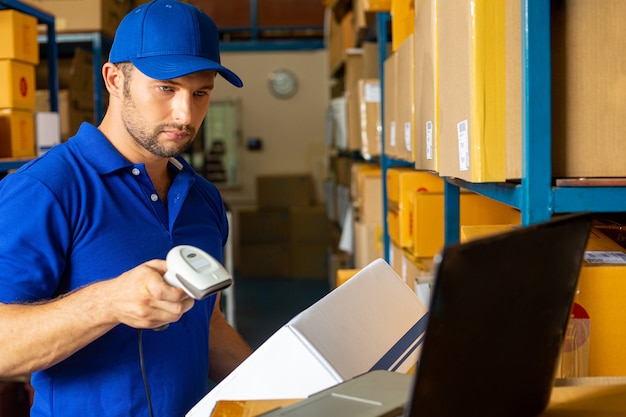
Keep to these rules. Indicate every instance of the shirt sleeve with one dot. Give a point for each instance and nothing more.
(33, 242)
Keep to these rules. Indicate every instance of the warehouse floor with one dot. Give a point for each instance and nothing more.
(264, 305)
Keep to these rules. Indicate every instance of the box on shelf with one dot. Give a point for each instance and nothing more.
(18, 32)
(85, 15)
(390, 95)
(47, 131)
(17, 85)
(405, 100)
(367, 197)
(426, 149)
(376, 5)
(358, 170)
(17, 133)
(70, 115)
(475, 209)
(284, 190)
(371, 59)
(368, 243)
(588, 117)
(402, 183)
(353, 73)
(412, 270)
(601, 286)
(342, 335)
(475, 61)
(369, 116)
(402, 21)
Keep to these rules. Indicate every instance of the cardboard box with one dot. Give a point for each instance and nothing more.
(309, 260)
(402, 183)
(17, 85)
(264, 260)
(390, 108)
(71, 116)
(426, 148)
(263, 226)
(475, 209)
(402, 21)
(308, 225)
(85, 15)
(371, 59)
(17, 133)
(18, 32)
(280, 191)
(370, 127)
(405, 90)
(368, 243)
(358, 170)
(370, 203)
(47, 131)
(339, 337)
(353, 73)
(344, 275)
(588, 88)
(601, 287)
(474, 65)
(376, 5)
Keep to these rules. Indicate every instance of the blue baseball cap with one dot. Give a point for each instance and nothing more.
(167, 39)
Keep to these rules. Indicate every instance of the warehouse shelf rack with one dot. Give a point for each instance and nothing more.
(99, 45)
(535, 195)
(44, 18)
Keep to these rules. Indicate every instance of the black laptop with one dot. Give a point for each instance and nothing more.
(498, 315)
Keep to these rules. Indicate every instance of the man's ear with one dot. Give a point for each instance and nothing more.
(113, 79)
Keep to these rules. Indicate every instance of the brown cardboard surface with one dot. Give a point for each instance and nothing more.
(274, 191)
(589, 87)
(390, 98)
(18, 32)
(353, 73)
(85, 15)
(405, 112)
(426, 86)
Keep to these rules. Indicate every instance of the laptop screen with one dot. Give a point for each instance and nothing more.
(498, 315)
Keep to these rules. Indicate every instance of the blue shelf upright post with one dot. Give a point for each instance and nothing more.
(382, 20)
(536, 202)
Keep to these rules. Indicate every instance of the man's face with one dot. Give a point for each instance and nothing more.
(164, 116)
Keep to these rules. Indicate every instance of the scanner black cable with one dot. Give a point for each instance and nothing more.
(143, 371)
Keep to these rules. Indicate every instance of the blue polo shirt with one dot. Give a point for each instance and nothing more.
(82, 213)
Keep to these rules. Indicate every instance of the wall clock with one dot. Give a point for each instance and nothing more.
(282, 83)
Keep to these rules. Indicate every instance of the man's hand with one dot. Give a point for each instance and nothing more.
(142, 299)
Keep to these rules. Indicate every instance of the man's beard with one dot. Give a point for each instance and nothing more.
(149, 139)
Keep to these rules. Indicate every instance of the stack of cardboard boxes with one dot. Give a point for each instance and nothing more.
(76, 94)
(287, 234)
(19, 54)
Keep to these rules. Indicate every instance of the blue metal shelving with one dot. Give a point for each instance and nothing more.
(535, 196)
(7, 164)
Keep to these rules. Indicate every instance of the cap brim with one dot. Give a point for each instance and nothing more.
(167, 67)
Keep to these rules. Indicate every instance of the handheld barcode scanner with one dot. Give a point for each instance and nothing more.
(195, 271)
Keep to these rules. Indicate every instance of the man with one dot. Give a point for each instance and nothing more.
(85, 229)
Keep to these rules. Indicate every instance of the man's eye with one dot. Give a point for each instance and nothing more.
(166, 88)
(201, 93)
